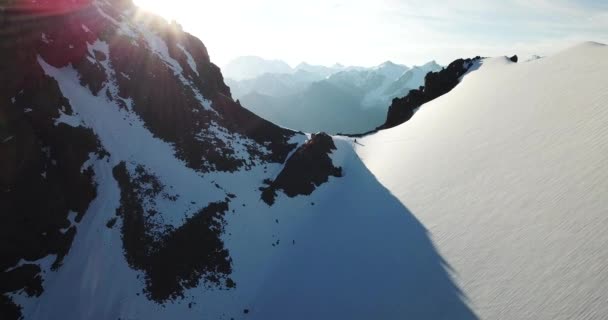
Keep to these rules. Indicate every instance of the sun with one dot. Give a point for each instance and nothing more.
(207, 20)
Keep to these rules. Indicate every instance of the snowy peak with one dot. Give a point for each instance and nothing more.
(322, 71)
(431, 65)
(249, 67)
(415, 75)
(340, 100)
(581, 49)
(586, 45)
(390, 70)
(389, 64)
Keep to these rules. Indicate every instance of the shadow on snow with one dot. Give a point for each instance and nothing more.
(379, 261)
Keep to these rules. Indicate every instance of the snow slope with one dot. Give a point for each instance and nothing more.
(507, 171)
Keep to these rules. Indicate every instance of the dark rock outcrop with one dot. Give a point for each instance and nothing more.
(309, 167)
(42, 174)
(173, 259)
(8, 309)
(514, 58)
(436, 84)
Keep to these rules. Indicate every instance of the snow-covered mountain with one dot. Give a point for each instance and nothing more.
(132, 186)
(249, 67)
(250, 74)
(321, 71)
(353, 100)
(390, 70)
(411, 79)
(274, 84)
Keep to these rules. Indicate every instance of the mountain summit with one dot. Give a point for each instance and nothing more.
(249, 67)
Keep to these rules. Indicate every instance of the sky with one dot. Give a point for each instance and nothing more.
(369, 32)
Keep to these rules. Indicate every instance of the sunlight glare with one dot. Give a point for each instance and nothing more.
(208, 20)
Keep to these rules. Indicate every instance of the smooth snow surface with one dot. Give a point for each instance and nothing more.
(508, 173)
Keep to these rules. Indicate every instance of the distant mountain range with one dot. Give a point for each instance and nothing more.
(250, 67)
(336, 99)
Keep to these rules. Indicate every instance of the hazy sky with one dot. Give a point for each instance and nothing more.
(368, 32)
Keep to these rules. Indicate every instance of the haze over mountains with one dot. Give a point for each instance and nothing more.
(248, 67)
(334, 99)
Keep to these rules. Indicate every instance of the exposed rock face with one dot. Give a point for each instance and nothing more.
(514, 58)
(309, 167)
(173, 259)
(45, 185)
(435, 84)
(153, 70)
